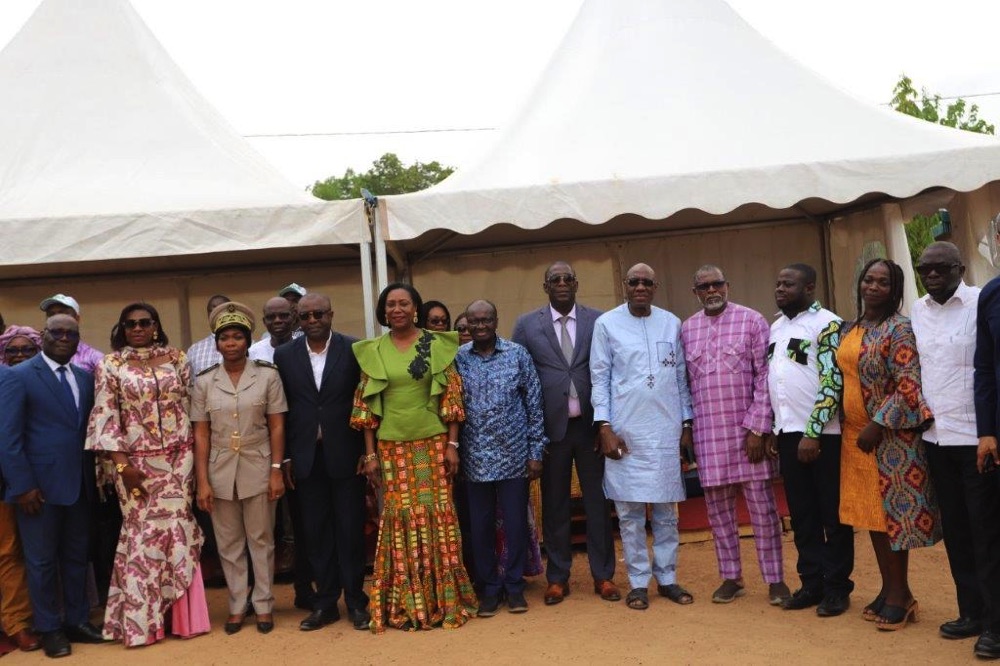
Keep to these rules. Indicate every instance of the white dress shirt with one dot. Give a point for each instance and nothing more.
(793, 377)
(318, 360)
(70, 377)
(574, 403)
(946, 342)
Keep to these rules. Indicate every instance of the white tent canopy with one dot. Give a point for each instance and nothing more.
(111, 156)
(653, 108)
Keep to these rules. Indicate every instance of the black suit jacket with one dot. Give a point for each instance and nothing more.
(535, 332)
(328, 408)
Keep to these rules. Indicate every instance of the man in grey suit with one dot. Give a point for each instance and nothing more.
(557, 336)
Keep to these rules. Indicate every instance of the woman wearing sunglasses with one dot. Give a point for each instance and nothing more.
(18, 344)
(140, 426)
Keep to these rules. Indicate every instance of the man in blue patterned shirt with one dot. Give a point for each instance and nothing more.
(502, 443)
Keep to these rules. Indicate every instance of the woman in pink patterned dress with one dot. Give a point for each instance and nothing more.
(140, 425)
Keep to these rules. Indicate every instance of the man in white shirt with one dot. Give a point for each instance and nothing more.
(944, 324)
(804, 383)
(282, 323)
(203, 354)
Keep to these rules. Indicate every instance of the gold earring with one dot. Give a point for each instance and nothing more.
(156, 336)
(415, 318)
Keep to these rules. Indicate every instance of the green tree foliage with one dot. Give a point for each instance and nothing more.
(388, 175)
(918, 237)
(922, 104)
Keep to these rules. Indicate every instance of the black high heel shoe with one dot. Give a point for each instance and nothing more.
(894, 618)
(234, 624)
(870, 612)
(265, 623)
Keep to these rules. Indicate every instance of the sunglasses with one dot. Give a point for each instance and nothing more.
(438, 321)
(941, 269)
(145, 322)
(705, 286)
(278, 316)
(63, 333)
(21, 351)
(462, 328)
(636, 281)
(313, 314)
(562, 277)
(485, 321)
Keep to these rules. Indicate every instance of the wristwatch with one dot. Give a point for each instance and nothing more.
(455, 444)
(275, 465)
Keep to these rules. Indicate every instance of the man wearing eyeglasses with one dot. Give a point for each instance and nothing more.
(46, 402)
(86, 356)
(642, 409)
(502, 443)
(320, 373)
(282, 323)
(558, 337)
(944, 325)
(725, 346)
(204, 354)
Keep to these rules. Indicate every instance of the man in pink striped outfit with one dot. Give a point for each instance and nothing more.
(725, 347)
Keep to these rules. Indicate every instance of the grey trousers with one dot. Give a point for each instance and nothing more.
(243, 526)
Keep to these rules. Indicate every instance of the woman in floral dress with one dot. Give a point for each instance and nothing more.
(140, 426)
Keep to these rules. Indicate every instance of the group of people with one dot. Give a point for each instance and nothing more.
(880, 423)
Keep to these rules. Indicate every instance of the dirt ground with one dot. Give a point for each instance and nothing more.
(587, 630)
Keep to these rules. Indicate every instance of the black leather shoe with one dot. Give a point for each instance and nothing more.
(233, 626)
(988, 645)
(802, 598)
(963, 627)
(84, 633)
(56, 644)
(359, 618)
(319, 619)
(265, 623)
(833, 605)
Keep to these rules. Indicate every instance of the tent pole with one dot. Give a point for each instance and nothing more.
(381, 270)
(367, 295)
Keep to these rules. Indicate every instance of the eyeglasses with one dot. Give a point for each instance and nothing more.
(63, 333)
(941, 269)
(462, 328)
(636, 281)
(485, 321)
(562, 277)
(277, 316)
(438, 321)
(145, 322)
(705, 286)
(21, 351)
(313, 314)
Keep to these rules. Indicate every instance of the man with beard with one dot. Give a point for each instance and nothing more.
(725, 346)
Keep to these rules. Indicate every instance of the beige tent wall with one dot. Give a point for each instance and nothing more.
(181, 299)
(971, 213)
(512, 278)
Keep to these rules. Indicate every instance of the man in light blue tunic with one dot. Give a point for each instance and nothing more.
(642, 407)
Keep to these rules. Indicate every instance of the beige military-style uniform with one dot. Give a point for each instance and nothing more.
(239, 469)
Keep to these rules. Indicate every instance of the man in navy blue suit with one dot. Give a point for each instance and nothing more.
(43, 423)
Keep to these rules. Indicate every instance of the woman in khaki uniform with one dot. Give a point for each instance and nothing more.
(238, 410)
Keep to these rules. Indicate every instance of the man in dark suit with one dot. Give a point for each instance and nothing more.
(320, 374)
(557, 336)
(43, 424)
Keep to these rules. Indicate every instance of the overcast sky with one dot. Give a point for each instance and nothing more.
(305, 66)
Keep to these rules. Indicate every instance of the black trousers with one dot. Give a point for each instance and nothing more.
(511, 496)
(970, 517)
(303, 578)
(824, 544)
(333, 519)
(577, 446)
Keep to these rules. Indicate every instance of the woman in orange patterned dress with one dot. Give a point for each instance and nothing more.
(409, 405)
(885, 486)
